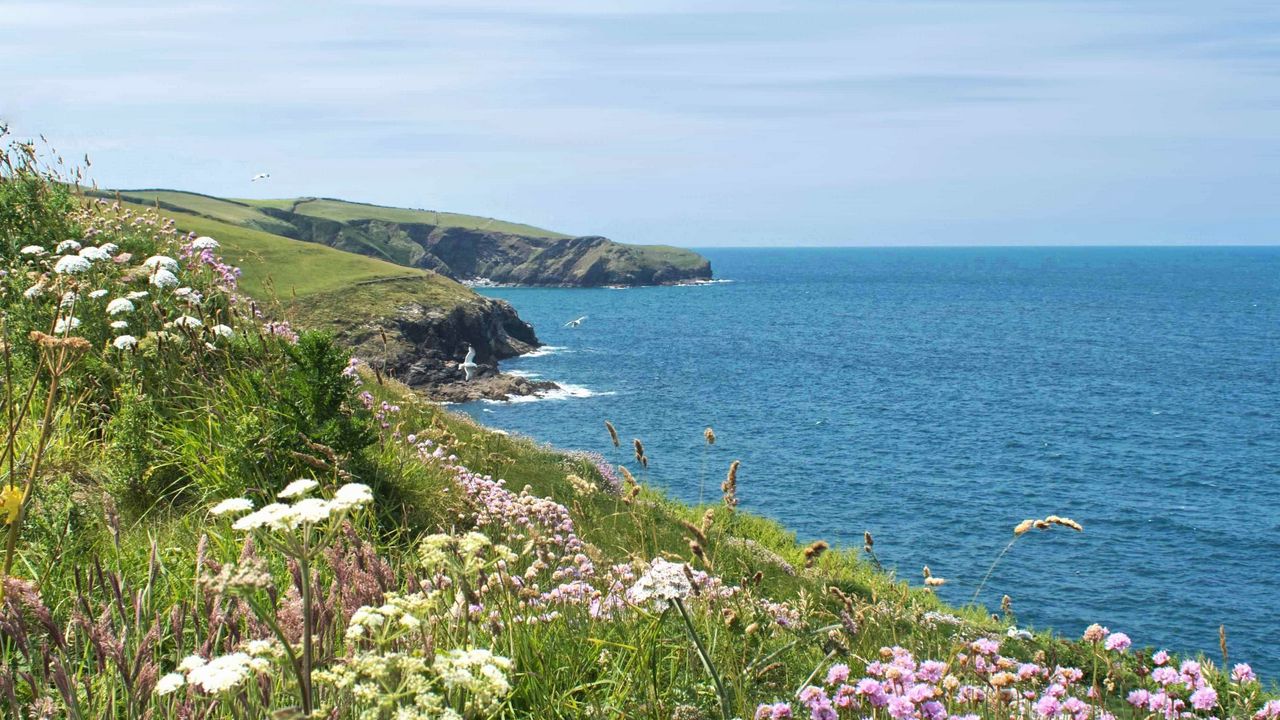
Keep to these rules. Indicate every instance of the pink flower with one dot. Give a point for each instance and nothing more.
(931, 671)
(900, 708)
(1118, 642)
(1204, 699)
(1048, 706)
(1160, 658)
(1165, 675)
(1139, 698)
(1242, 673)
(1269, 711)
(985, 646)
(837, 674)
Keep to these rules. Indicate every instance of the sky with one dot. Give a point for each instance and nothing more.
(710, 123)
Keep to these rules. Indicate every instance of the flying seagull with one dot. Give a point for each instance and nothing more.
(260, 176)
(469, 364)
(576, 322)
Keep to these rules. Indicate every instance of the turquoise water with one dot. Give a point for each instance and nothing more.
(938, 396)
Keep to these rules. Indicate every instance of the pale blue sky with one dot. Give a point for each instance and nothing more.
(723, 122)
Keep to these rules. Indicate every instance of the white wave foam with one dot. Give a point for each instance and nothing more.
(565, 391)
(700, 283)
(523, 373)
(545, 350)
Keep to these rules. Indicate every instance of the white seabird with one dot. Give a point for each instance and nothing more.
(576, 322)
(260, 176)
(469, 363)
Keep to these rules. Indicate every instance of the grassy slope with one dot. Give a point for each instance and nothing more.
(342, 211)
(327, 286)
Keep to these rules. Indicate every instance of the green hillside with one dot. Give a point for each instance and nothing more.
(457, 245)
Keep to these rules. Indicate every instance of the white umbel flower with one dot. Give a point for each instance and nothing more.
(186, 321)
(109, 248)
(119, 324)
(204, 242)
(664, 580)
(71, 265)
(191, 662)
(68, 299)
(232, 505)
(170, 683)
(221, 673)
(310, 511)
(136, 295)
(65, 325)
(98, 294)
(67, 246)
(163, 278)
(119, 306)
(222, 331)
(301, 486)
(160, 261)
(124, 342)
(273, 517)
(352, 495)
(94, 254)
(35, 250)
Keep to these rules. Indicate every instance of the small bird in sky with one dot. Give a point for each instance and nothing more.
(260, 176)
(575, 322)
(469, 363)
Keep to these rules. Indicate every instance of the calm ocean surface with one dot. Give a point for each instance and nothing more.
(936, 397)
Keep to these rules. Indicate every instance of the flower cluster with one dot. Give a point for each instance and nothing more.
(306, 511)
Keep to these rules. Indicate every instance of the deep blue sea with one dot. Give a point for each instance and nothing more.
(936, 397)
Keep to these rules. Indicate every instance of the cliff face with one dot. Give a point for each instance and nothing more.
(502, 257)
(409, 330)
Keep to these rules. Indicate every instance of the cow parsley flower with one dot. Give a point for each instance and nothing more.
(35, 250)
(163, 278)
(664, 580)
(98, 294)
(71, 265)
(352, 495)
(160, 262)
(33, 292)
(478, 672)
(124, 342)
(186, 321)
(232, 505)
(275, 516)
(222, 331)
(109, 248)
(310, 511)
(301, 486)
(136, 295)
(119, 306)
(94, 254)
(119, 324)
(170, 683)
(67, 246)
(65, 325)
(204, 242)
(221, 673)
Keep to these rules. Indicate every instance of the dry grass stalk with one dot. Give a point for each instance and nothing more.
(613, 433)
(815, 551)
(730, 486)
(710, 436)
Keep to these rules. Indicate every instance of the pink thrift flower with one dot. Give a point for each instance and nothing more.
(986, 646)
(1165, 675)
(1118, 642)
(1204, 699)
(837, 674)
(1139, 698)
(1160, 658)
(1048, 706)
(1242, 673)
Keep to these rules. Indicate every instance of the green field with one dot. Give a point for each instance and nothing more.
(344, 211)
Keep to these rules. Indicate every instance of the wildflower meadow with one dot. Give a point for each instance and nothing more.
(211, 513)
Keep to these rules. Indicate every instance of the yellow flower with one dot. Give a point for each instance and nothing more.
(10, 503)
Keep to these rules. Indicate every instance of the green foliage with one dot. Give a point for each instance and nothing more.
(318, 395)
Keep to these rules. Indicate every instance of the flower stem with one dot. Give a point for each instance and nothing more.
(706, 659)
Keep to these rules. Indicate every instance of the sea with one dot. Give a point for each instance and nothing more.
(936, 397)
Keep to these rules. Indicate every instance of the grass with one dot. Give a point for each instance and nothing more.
(345, 211)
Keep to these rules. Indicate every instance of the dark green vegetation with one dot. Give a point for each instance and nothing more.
(460, 246)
